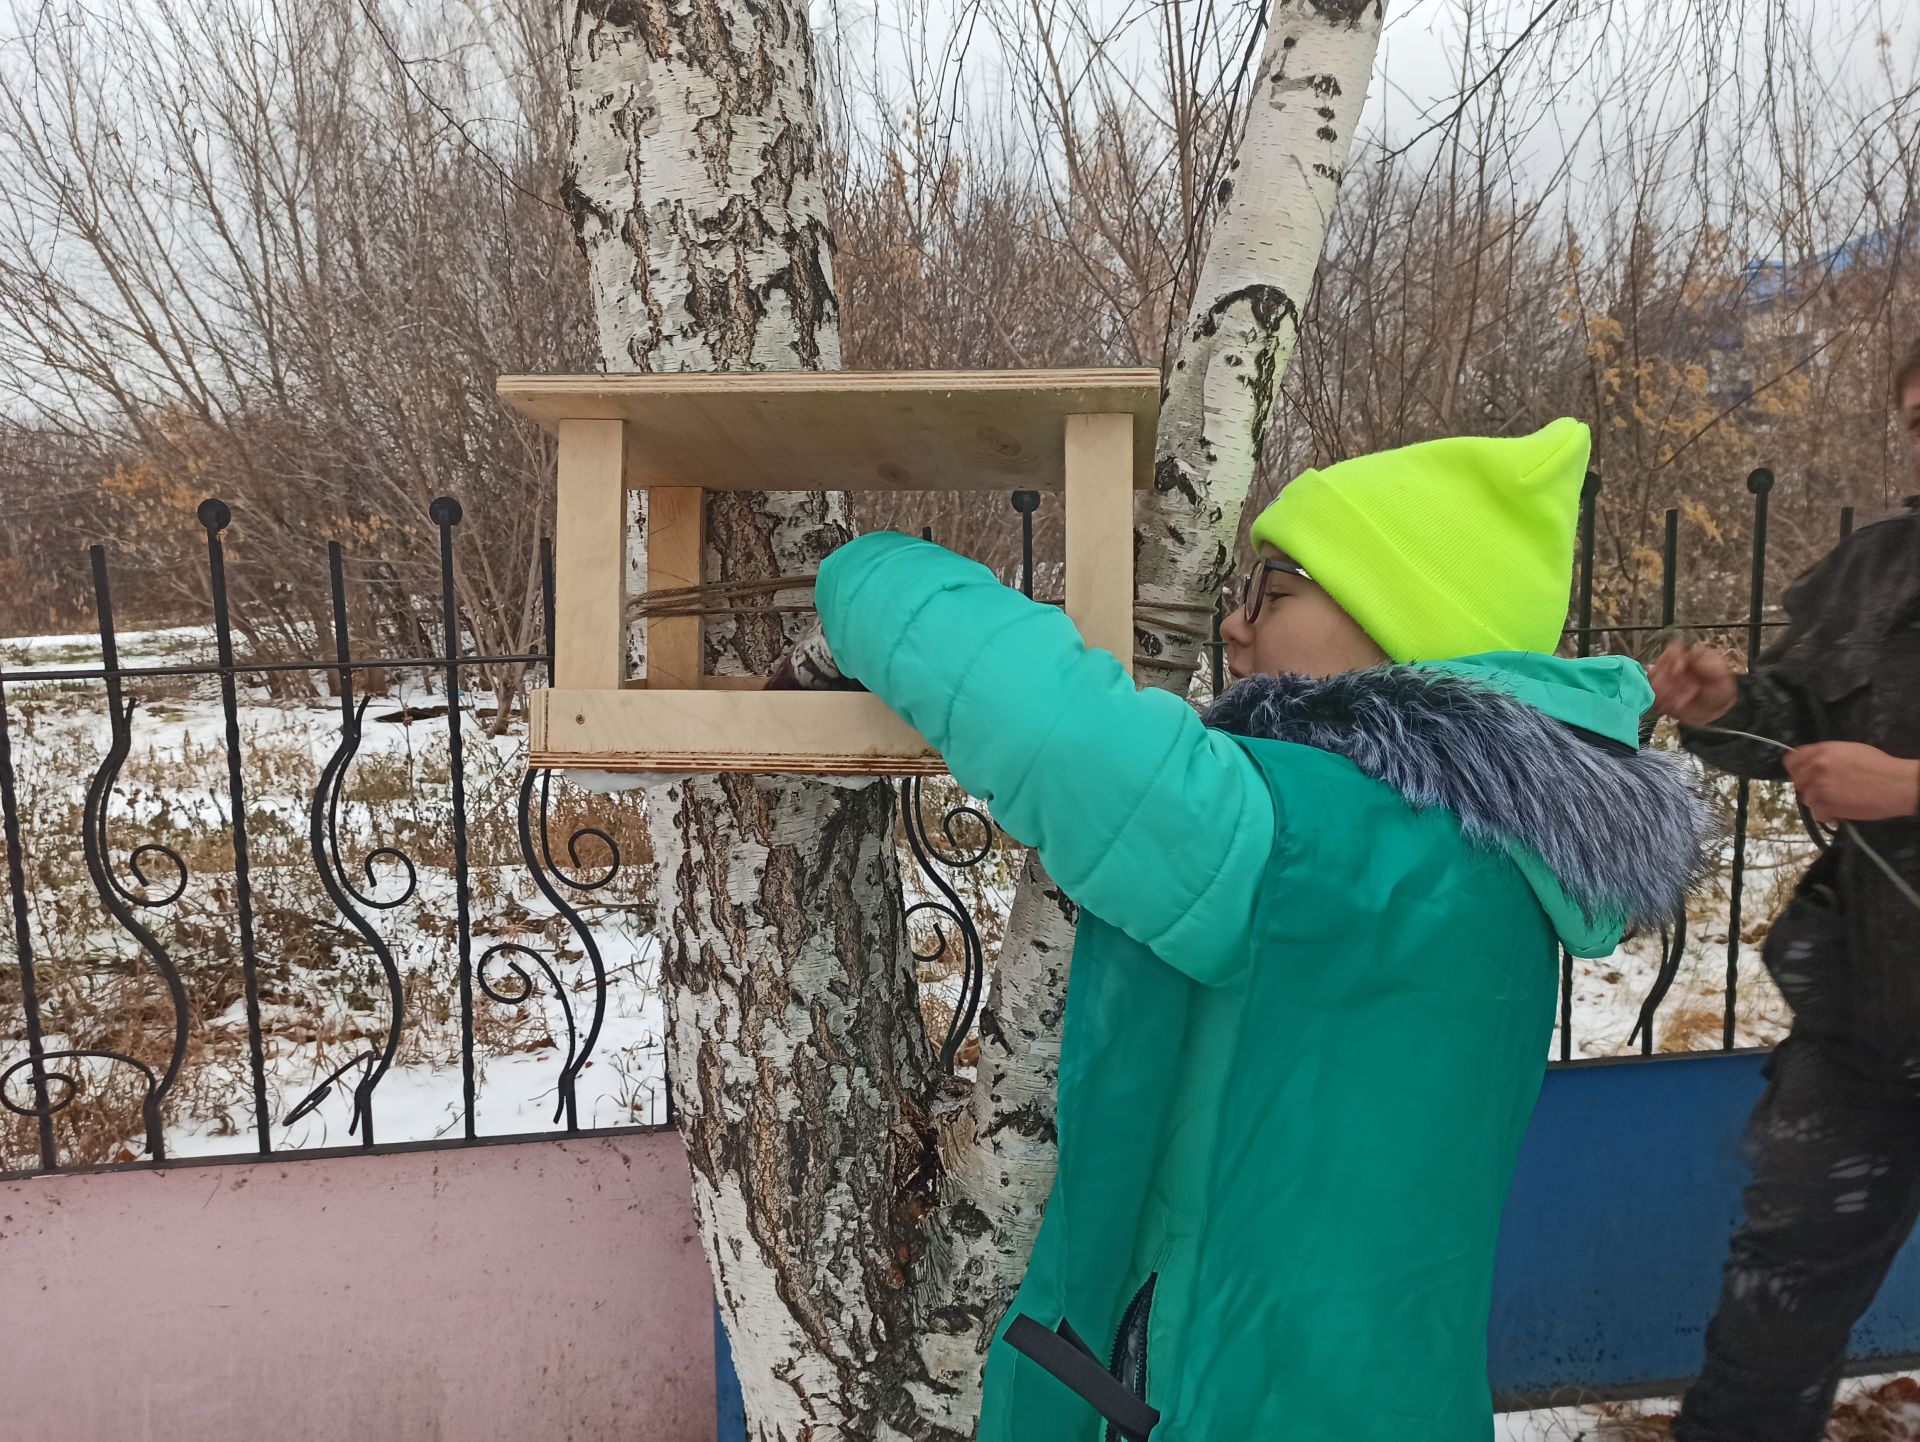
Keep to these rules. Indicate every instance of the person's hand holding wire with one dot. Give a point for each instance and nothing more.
(1850, 781)
(1694, 683)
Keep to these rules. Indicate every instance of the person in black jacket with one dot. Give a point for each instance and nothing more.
(1835, 1141)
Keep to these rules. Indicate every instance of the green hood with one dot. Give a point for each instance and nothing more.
(1603, 695)
(1607, 835)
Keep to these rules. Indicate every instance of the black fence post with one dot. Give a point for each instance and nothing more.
(216, 517)
(1026, 503)
(446, 514)
(1582, 646)
(1670, 571)
(1676, 944)
(1760, 483)
(1589, 505)
(1217, 649)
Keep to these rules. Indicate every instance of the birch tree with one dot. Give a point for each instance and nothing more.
(865, 1220)
(1275, 202)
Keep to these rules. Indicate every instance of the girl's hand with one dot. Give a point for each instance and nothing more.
(810, 666)
(1849, 781)
(1696, 685)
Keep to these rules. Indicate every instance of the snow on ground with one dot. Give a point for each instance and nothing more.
(1869, 1409)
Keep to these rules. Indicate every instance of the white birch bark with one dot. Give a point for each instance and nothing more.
(1275, 205)
(800, 1065)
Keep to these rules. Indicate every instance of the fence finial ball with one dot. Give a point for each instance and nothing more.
(215, 514)
(1760, 481)
(445, 511)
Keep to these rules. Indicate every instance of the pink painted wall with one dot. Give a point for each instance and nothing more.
(544, 1290)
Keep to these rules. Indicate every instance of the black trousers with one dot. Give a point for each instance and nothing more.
(1836, 1188)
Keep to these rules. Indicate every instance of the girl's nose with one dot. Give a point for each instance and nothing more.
(1234, 629)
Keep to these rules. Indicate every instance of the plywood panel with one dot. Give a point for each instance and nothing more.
(1099, 532)
(831, 732)
(807, 430)
(589, 542)
(676, 545)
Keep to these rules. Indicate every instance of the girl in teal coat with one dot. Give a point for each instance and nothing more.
(1314, 982)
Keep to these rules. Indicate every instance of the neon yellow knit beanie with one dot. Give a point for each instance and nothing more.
(1448, 548)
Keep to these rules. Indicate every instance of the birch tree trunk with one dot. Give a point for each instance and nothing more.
(1274, 206)
(866, 1229)
(799, 1061)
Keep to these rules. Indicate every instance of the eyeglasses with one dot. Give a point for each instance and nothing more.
(1253, 590)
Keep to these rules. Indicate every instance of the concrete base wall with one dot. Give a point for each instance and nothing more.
(549, 1289)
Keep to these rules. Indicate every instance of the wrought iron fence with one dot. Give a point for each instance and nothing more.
(143, 883)
(1750, 631)
(136, 885)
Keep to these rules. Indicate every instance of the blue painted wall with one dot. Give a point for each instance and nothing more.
(1610, 1255)
(726, 1385)
(1629, 1185)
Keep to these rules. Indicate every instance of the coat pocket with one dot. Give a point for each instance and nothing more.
(1116, 1391)
(1130, 1349)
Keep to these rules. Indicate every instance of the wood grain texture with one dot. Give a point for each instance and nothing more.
(589, 543)
(800, 431)
(676, 550)
(1099, 532)
(819, 732)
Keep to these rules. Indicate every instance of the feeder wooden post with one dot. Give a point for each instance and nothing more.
(590, 540)
(1100, 531)
(676, 549)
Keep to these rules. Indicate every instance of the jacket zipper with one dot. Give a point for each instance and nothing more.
(1129, 1364)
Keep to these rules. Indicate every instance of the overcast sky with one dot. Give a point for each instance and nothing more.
(1559, 94)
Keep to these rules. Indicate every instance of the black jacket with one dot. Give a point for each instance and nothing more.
(1846, 953)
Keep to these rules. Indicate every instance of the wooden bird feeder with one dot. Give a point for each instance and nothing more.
(1085, 433)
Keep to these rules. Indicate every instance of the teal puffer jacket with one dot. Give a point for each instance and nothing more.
(1311, 999)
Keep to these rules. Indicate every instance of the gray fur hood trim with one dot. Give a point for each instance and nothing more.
(1624, 832)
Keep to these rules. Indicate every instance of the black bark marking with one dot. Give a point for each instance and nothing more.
(1170, 475)
(1347, 12)
(1328, 172)
(1327, 133)
(647, 19)
(580, 208)
(1034, 1121)
(1271, 307)
(967, 1220)
(809, 290)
